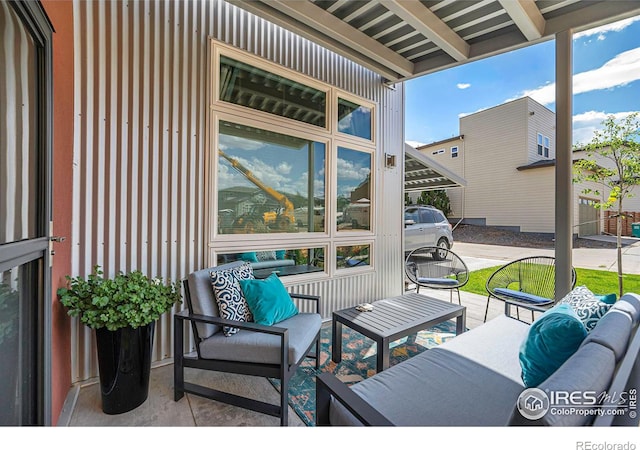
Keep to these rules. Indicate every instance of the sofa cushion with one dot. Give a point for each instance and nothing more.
(591, 369)
(268, 300)
(229, 296)
(612, 331)
(588, 308)
(487, 346)
(252, 346)
(630, 304)
(551, 340)
(436, 388)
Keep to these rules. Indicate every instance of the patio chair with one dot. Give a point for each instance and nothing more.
(528, 282)
(436, 268)
(257, 350)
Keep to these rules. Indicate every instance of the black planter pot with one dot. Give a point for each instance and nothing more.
(124, 363)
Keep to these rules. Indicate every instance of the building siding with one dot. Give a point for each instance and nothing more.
(140, 146)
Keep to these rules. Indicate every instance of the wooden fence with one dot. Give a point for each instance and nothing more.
(627, 219)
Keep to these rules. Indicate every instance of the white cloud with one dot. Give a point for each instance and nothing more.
(463, 85)
(415, 144)
(612, 27)
(585, 124)
(284, 168)
(618, 71)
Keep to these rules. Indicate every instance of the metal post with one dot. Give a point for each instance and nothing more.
(564, 187)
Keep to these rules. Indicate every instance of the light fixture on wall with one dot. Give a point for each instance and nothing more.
(390, 160)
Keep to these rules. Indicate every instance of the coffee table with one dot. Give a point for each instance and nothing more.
(392, 319)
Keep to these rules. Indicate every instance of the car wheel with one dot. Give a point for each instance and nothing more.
(443, 249)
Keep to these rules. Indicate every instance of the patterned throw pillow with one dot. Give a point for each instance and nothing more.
(229, 295)
(586, 305)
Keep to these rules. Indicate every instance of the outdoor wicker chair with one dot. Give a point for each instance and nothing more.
(527, 281)
(436, 268)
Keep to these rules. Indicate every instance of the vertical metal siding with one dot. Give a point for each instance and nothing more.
(140, 145)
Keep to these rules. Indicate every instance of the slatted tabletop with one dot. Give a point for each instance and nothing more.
(392, 319)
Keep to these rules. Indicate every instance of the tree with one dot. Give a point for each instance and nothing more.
(613, 160)
(437, 198)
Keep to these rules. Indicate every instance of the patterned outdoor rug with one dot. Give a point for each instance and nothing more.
(358, 362)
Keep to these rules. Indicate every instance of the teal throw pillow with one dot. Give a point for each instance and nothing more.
(280, 254)
(268, 300)
(609, 299)
(249, 256)
(552, 339)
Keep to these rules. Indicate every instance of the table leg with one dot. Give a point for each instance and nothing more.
(336, 341)
(461, 322)
(382, 356)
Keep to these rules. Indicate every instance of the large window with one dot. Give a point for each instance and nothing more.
(292, 170)
(268, 181)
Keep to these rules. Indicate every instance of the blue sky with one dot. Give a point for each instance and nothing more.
(606, 63)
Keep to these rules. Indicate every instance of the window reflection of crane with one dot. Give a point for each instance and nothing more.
(283, 219)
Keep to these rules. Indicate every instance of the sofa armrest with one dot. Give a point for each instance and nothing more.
(328, 387)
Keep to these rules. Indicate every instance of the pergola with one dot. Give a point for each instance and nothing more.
(404, 39)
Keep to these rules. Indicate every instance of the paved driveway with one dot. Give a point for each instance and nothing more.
(478, 256)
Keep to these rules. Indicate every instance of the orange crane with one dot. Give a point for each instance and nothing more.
(283, 219)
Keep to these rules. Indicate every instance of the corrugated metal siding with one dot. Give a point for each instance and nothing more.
(140, 175)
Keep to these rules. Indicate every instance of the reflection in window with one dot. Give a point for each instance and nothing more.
(19, 175)
(269, 182)
(354, 190)
(354, 119)
(255, 88)
(353, 256)
(283, 262)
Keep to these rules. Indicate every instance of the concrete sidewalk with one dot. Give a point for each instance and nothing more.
(478, 256)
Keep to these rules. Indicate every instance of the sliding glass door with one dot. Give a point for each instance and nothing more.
(25, 195)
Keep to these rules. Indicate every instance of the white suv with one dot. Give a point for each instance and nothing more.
(426, 226)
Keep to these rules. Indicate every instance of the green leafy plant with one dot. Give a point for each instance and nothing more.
(126, 300)
(437, 198)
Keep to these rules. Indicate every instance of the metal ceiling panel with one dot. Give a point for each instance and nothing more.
(404, 39)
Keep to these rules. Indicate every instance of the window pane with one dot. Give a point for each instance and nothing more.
(354, 190)
(264, 182)
(18, 390)
(255, 88)
(19, 176)
(283, 262)
(354, 119)
(352, 256)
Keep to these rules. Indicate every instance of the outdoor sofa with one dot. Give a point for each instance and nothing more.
(475, 379)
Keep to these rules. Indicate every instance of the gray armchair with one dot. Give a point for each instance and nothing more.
(258, 350)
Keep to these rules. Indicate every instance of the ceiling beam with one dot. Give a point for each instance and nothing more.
(427, 23)
(328, 24)
(526, 16)
(265, 11)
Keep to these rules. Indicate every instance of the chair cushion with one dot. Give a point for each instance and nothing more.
(255, 347)
(552, 339)
(438, 281)
(629, 304)
(229, 296)
(588, 308)
(268, 300)
(203, 301)
(523, 296)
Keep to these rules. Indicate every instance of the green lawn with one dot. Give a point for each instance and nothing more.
(598, 281)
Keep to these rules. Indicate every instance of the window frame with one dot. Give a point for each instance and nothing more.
(454, 154)
(329, 239)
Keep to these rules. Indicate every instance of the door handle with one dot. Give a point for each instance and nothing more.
(57, 238)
